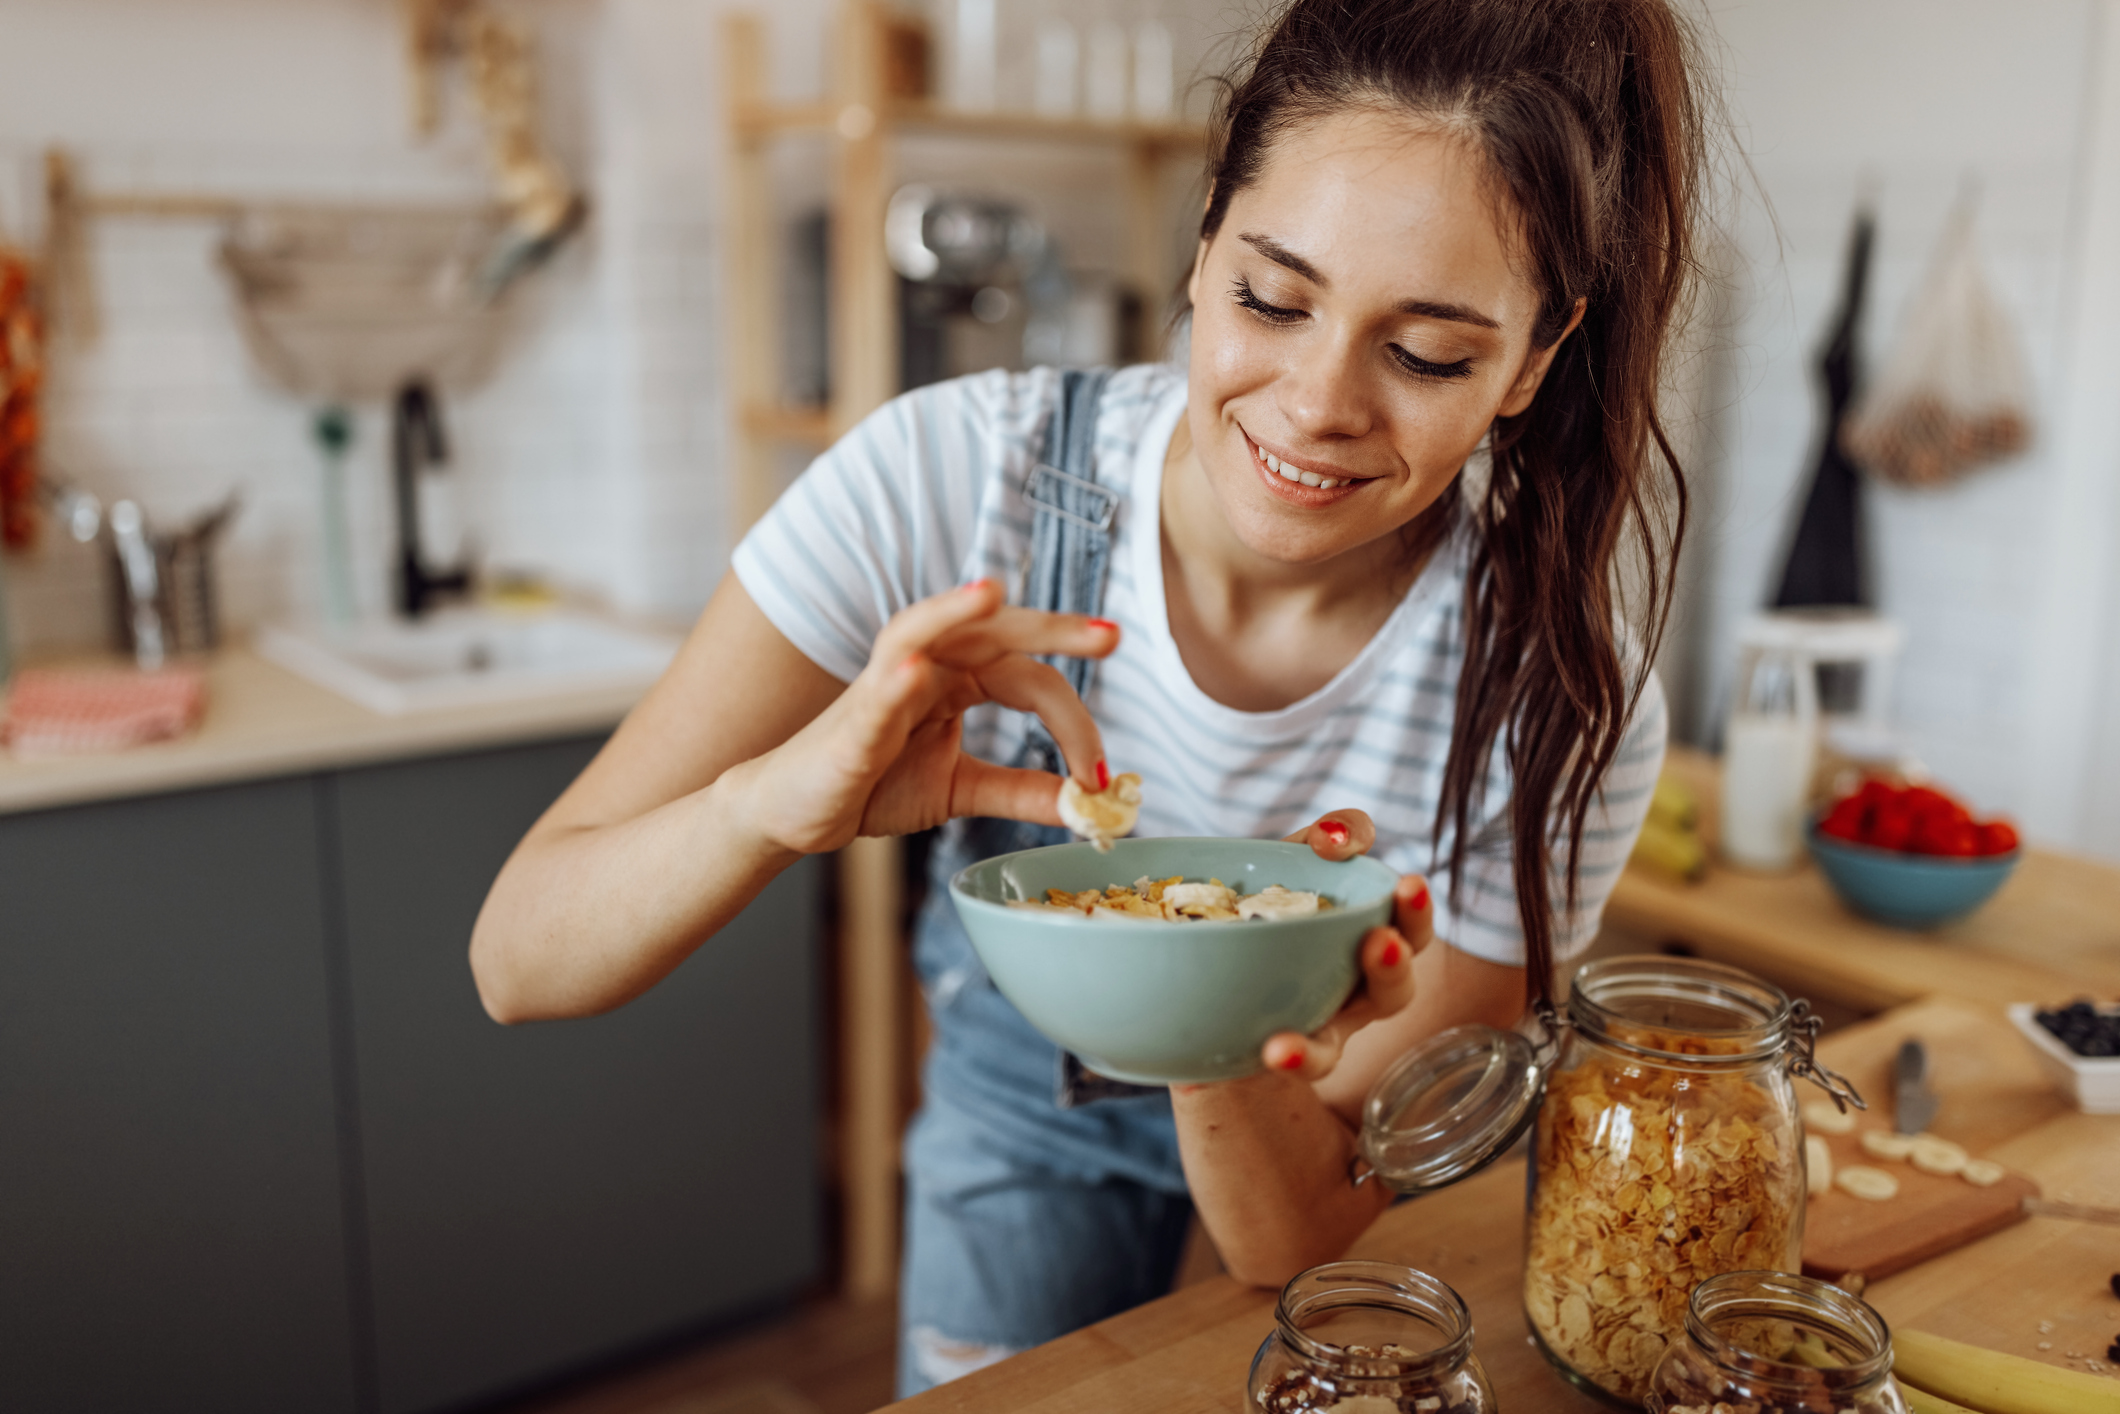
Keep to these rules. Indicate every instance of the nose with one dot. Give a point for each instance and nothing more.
(1323, 391)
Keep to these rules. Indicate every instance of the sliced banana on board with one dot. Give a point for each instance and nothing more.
(1870, 1185)
(1825, 1117)
(1817, 1165)
(1884, 1144)
(1982, 1173)
(1938, 1156)
(1104, 815)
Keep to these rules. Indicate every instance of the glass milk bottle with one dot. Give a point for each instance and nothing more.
(1770, 748)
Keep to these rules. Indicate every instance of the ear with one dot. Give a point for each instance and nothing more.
(1192, 281)
(1535, 365)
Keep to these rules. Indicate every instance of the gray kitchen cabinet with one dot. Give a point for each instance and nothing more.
(260, 1148)
(172, 1225)
(540, 1195)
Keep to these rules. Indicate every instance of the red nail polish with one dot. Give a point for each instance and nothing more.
(1104, 776)
(976, 585)
(1292, 1061)
(1104, 623)
(1390, 956)
(1419, 900)
(1334, 831)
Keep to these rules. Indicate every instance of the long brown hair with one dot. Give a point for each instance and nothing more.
(1588, 117)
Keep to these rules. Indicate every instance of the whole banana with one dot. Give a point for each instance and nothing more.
(1920, 1401)
(1994, 1383)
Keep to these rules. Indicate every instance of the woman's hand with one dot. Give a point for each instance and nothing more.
(1387, 955)
(885, 757)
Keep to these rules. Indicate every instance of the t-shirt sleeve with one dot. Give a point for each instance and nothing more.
(881, 520)
(1482, 918)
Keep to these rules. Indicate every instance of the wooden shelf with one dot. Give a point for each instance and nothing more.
(756, 121)
(790, 423)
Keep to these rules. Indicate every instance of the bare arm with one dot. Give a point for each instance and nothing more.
(1267, 1157)
(743, 758)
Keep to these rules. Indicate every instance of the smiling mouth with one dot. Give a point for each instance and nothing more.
(1294, 475)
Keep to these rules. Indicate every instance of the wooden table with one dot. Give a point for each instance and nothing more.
(1188, 1353)
(2051, 933)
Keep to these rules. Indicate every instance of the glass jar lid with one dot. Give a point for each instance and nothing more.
(1453, 1104)
(1450, 1106)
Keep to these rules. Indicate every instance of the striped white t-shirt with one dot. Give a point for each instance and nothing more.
(927, 494)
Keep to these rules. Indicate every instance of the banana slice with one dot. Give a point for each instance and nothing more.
(1982, 1173)
(1825, 1117)
(1884, 1144)
(1104, 815)
(1870, 1185)
(1207, 895)
(1275, 902)
(1817, 1165)
(1937, 1156)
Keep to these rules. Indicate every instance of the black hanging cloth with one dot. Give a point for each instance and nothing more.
(1825, 554)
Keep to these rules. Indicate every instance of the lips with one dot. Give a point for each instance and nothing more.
(1300, 486)
(1288, 472)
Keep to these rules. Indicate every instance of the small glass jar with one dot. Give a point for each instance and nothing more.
(1770, 1340)
(1371, 1336)
(1668, 1150)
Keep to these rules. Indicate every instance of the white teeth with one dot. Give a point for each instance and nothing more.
(1307, 478)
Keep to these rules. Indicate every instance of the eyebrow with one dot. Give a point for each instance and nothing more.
(1421, 308)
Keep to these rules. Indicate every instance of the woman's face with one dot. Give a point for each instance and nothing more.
(1358, 323)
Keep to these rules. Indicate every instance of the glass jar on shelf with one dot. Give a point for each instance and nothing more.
(1769, 1340)
(1370, 1336)
(1667, 1147)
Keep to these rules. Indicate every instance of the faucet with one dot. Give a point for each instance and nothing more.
(418, 442)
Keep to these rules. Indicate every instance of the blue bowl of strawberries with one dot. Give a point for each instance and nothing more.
(1911, 856)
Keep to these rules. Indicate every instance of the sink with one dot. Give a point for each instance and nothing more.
(465, 657)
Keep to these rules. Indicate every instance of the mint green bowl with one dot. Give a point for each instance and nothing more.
(1171, 1003)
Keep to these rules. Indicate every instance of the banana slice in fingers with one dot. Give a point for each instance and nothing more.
(1104, 815)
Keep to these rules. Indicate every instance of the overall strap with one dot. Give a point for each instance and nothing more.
(1070, 557)
(1071, 529)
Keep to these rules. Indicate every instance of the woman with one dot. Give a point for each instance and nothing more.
(1433, 224)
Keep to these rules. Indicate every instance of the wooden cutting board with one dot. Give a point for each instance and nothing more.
(1931, 1214)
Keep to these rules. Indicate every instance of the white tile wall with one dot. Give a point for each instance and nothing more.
(1913, 97)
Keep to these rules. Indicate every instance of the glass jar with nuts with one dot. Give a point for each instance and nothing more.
(1371, 1337)
(1767, 1340)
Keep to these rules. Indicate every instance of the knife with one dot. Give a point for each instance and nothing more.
(1914, 1103)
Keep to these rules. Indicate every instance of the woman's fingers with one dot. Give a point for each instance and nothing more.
(1413, 910)
(918, 626)
(1388, 986)
(1010, 630)
(1031, 686)
(1004, 792)
(1339, 834)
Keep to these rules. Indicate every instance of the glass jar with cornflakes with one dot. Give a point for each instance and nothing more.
(1369, 1338)
(1667, 1151)
(1766, 1340)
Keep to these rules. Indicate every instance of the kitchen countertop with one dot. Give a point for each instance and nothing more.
(2052, 932)
(262, 720)
(1188, 1353)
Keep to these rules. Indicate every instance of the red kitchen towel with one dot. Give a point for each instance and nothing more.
(64, 711)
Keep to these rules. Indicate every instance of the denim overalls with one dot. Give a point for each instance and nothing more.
(1030, 1211)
